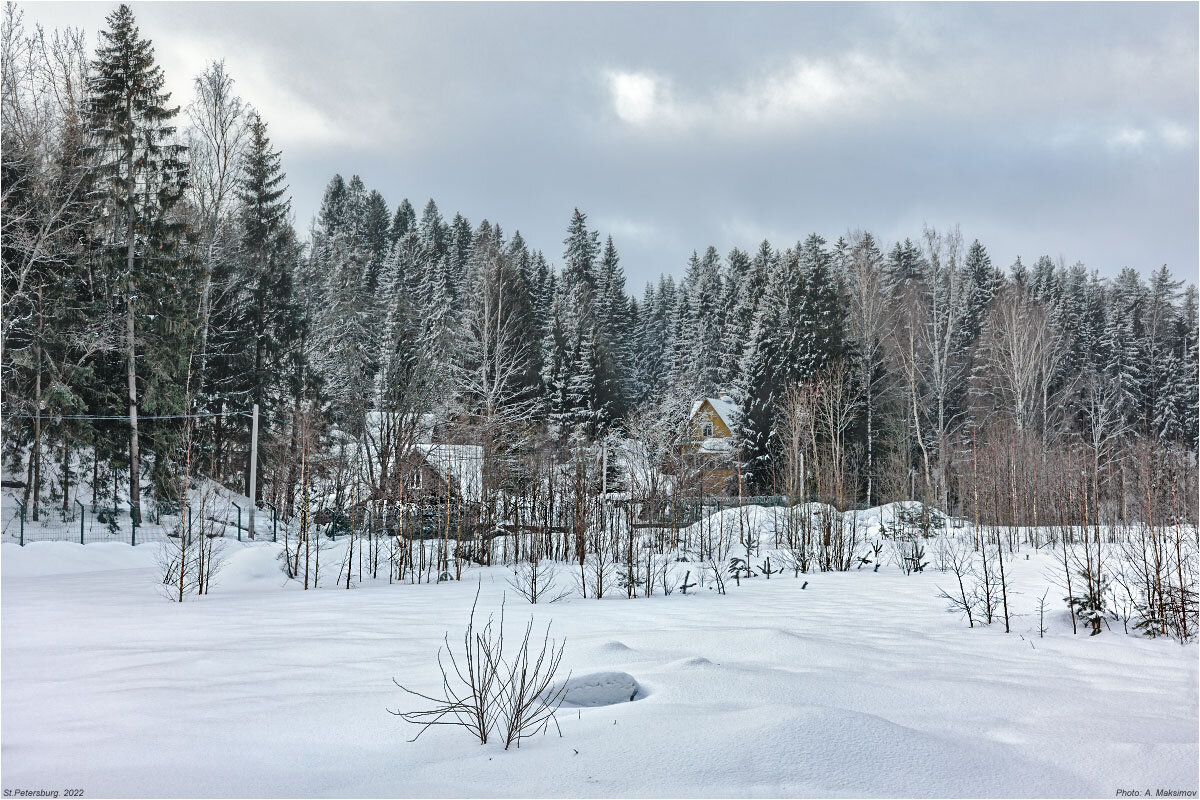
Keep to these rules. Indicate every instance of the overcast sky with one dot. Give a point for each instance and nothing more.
(1060, 129)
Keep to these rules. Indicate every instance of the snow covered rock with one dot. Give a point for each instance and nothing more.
(601, 689)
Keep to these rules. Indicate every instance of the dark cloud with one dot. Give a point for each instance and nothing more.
(1060, 129)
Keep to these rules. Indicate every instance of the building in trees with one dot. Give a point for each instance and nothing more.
(449, 473)
(711, 452)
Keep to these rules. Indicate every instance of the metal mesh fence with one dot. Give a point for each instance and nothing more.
(85, 523)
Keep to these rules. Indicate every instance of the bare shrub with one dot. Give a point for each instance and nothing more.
(599, 571)
(941, 553)
(909, 554)
(534, 579)
(470, 696)
(836, 540)
(716, 572)
(483, 690)
(194, 551)
(1042, 614)
(794, 558)
(529, 697)
(664, 570)
(959, 557)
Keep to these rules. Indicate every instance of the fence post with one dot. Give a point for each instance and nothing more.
(186, 537)
(134, 522)
(239, 522)
(274, 517)
(82, 514)
(22, 505)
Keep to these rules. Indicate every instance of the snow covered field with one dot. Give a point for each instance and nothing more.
(859, 684)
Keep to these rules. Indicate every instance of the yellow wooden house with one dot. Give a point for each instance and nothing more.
(712, 448)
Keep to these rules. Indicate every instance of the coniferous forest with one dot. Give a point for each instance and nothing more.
(157, 287)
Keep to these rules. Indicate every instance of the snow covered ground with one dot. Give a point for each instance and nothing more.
(859, 684)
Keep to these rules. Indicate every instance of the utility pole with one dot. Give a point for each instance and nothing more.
(603, 481)
(253, 466)
(604, 468)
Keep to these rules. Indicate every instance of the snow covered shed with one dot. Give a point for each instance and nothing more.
(451, 469)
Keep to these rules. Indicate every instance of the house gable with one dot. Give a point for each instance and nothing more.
(713, 412)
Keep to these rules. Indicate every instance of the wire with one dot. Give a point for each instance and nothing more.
(126, 416)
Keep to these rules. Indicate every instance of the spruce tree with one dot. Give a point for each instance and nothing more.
(270, 253)
(404, 221)
(522, 286)
(746, 294)
(141, 175)
(582, 247)
(590, 381)
(736, 326)
(376, 235)
(557, 360)
(1044, 282)
(1123, 360)
(1187, 337)
(706, 325)
(347, 342)
(615, 332)
(758, 394)
(354, 209)
(432, 231)
(459, 243)
(982, 283)
(904, 267)
(332, 217)
(820, 318)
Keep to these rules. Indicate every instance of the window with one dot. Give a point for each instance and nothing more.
(706, 429)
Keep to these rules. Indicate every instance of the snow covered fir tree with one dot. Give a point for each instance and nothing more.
(389, 393)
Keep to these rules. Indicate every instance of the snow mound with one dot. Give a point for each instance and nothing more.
(817, 510)
(893, 514)
(601, 689)
(615, 646)
(251, 567)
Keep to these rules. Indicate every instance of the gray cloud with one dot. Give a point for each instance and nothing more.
(1064, 129)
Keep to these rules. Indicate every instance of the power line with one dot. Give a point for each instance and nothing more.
(126, 416)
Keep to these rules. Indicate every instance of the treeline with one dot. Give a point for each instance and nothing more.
(153, 278)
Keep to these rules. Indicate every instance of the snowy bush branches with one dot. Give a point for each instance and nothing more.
(485, 691)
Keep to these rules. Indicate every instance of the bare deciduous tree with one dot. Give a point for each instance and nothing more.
(217, 140)
(1018, 354)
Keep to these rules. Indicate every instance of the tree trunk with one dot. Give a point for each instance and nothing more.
(293, 461)
(205, 308)
(35, 453)
(95, 468)
(870, 443)
(256, 394)
(33, 473)
(66, 471)
(135, 496)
